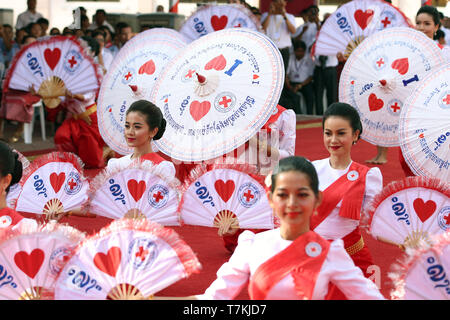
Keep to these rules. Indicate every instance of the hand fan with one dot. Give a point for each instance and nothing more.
(422, 275)
(136, 191)
(31, 259)
(211, 18)
(52, 66)
(409, 211)
(226, 197)
(52, 185)
(127, 260)
(14, 190)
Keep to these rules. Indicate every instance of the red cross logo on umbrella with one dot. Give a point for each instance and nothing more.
(72, 61)
(141, 254)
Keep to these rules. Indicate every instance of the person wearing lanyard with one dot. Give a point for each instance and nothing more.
(279, 25)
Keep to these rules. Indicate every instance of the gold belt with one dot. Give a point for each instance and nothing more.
(87, 113)
(356, 247)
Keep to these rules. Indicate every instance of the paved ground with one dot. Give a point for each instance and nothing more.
(39, 144)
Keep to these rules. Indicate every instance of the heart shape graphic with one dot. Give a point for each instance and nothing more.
(218, 63)
(109, 262)
(255, 76)
(148, 67)
(136, 189)
(57, 180)
(224, 189)
(199, 109)
(219, 23)
(424, 209)
(401, 65)
(31, 263)
(363, 18)
(52, 57)
(421, 136)
(375, 103)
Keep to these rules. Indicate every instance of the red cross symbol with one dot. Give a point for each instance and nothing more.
(380, 62)
(447, 99)
(158, 196)
(128, 75)
(190, 73)
(72, 61)
(385, 22)
(72, 184)
(395, 107)
(447, 219)
(142, 253)
(248, 196)
(225, 101)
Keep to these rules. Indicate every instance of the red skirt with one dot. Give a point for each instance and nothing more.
(82, 139)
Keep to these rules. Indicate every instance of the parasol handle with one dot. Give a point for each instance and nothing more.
(401, 246)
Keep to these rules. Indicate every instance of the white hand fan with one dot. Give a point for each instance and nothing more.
(354, 21)
(31, 259)
(136, 191)
(129, 259)
(422, 275)
(53, 65)
(211, 18)
(52, 185)
(226, 197)
(15, 189)
(409, 211)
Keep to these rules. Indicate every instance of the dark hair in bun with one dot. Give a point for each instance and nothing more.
(10, 164)
(153, 116)
(346, 111)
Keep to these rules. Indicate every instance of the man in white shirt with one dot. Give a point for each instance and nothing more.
(299, 78)
(100, 20)
(279, 26)
(307, 32)
(29, 16)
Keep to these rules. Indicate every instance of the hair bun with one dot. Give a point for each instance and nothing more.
(161, 130)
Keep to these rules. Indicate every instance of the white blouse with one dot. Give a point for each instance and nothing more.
(286, 126)
(166, 167)
(335, 226)
(254, 249)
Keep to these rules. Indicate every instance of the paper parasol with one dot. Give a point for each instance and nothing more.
(354, 21)
(52, 66)
(130, 78)
(381, 73)
(217, 93)
(32, 258)
(410, 211)
(129, 259)
(211, 18)
(137, 191)
(226, 197)
(52, 185)
(423, 274)
(424, 131)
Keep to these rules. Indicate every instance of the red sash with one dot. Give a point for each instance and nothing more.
(153, 157)
(9, 218)
(303, 259)
(349, 188)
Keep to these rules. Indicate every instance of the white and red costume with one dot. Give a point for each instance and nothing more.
(281, 269)
(10, 218)
(166, 167)
(345, 195)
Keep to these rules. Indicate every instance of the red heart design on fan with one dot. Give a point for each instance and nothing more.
(218, 63)
(31, 263)
(424, 209)
(401, 65)
(57, 180)
(363, 18)
(136, 189)
(255, 76)
(375, 103)
(219, 23)
(199, 109)
(421, 136)
(109, 262)
(52, 57)
(148, 67)
(224, 189)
